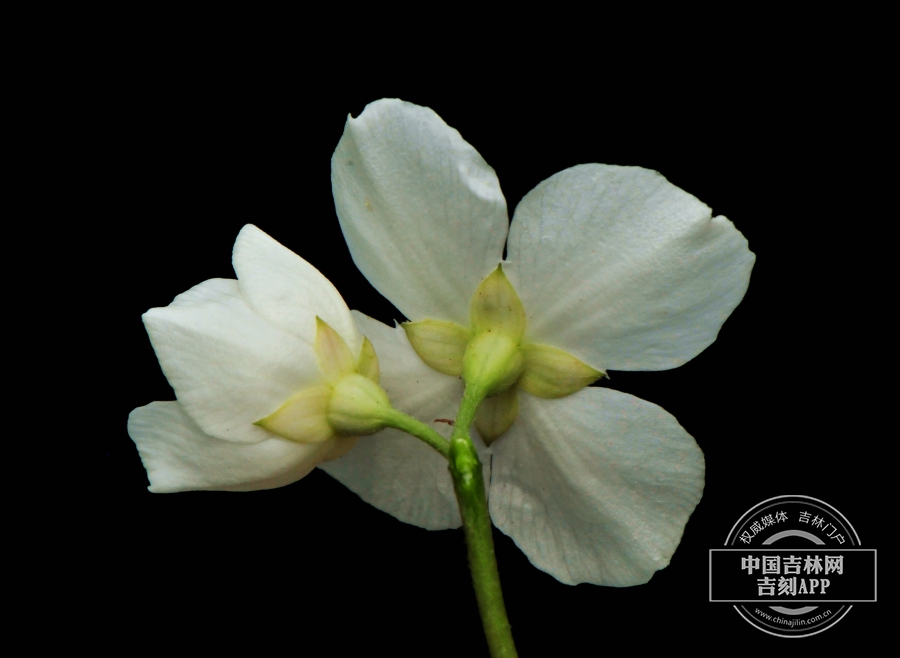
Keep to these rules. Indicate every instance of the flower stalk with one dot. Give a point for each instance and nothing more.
(468, 482)
(400, 421)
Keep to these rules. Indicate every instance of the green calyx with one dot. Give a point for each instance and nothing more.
(349, 402)
(494, 357)
(358, 407)
(492, 363)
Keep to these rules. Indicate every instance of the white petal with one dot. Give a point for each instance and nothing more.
(399, 475)
(624, 270)
(287, 291)
(229, 367)
(595, 487)
(421, 210)
(391, 470)
(178, 456)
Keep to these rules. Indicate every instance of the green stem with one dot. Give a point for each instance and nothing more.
(399, 420)
(468, 482)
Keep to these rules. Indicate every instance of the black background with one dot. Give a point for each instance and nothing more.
(192, 138)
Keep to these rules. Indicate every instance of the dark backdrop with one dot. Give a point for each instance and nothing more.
(191, 144)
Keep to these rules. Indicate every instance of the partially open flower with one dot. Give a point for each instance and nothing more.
(271, 374)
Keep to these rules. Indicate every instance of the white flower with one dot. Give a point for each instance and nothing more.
(614, 265)
(235, 351)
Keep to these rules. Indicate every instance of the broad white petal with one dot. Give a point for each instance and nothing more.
(179, 456)
(595, 487)
(622, 269)
(421, 210)
(391, 470)
(287, 291)
(229, 367)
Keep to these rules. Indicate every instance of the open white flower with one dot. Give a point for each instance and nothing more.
(614, 266)
(254, 363)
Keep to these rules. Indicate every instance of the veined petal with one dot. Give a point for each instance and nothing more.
(622, 269)
(287, 291)
(391, 470)
(399, 475)
(229, 367)
(422, 212)
(595, 487)
(179, 456)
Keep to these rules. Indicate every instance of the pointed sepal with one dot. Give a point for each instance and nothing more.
(342, 446)
(496, 307)
(553, 373)
(367, 363)
(303, 418)
(335, 359)
(495, 415)
(439, 344)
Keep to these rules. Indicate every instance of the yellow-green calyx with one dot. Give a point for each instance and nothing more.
(494, 357)
(358, 407)
(350, 402)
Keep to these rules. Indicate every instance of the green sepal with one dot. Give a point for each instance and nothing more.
(303, 417)
(496, 307)
(367, 363)
(495, 415)
(553, 373)
(335, 358)
(358, 407)
(441, 345)
(341, 447)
